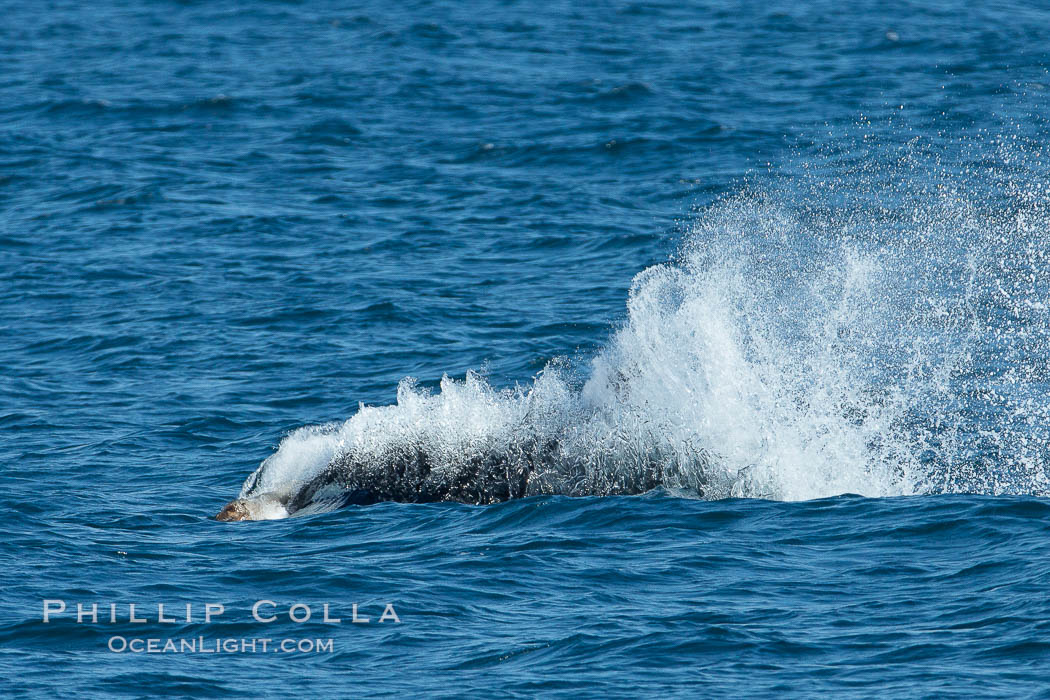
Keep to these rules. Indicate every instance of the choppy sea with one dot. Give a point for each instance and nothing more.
(749, 302)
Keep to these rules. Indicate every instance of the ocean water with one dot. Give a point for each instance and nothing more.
(748, 302)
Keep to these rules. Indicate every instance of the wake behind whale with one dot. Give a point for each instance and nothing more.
(792, 350)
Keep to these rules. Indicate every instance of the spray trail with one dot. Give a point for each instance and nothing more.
(882, 331)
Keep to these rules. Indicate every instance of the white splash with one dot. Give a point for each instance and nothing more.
(798, 347)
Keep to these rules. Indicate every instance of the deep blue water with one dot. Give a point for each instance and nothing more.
(787, 253)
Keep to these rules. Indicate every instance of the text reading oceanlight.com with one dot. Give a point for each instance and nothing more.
(262, 611)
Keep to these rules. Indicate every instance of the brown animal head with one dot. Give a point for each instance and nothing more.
(234, 510)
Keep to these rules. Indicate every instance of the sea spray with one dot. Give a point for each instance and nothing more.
(854, 335)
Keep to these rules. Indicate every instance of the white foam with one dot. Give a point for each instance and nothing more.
(791, 351)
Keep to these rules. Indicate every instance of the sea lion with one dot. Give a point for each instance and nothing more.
(411, 474)
(258, 508)
(404, 476)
